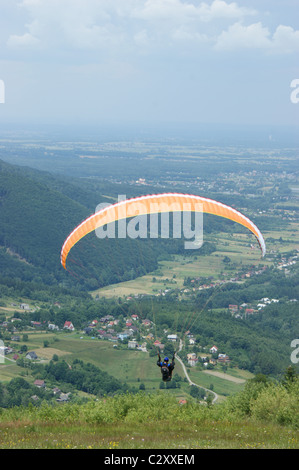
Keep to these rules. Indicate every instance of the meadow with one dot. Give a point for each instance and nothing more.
(155, 421)
(240, 248)
(131, 366)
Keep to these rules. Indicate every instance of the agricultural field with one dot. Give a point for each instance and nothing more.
(129, 366)
(240, 248)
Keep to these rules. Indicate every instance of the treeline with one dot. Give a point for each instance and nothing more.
(70, 378)
(82, 376)
(19, 392)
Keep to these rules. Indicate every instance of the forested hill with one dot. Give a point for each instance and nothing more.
(34, 221)
(37, 212)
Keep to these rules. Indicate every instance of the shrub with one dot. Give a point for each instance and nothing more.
(278, 404)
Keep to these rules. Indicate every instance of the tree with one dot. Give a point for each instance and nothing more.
(290, 376)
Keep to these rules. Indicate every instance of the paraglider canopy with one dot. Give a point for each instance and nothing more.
(157, 203)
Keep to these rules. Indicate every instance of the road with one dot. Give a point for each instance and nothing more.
(188, 378)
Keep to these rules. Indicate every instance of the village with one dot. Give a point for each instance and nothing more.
(137, 334)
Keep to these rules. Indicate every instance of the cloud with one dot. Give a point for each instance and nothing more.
(256, 36)
(180, 11)
(23, 41)
(77, 24)
(91, 24)
(285, 40)
(239, 36)
(146, 26)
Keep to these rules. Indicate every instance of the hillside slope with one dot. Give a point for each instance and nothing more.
(37, 212)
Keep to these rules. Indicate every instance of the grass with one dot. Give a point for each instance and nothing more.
(139, 422)
(221, 386)
(162, 435)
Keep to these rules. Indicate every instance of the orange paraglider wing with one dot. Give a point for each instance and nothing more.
(156, 203)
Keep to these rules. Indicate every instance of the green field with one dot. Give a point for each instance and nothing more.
(171, 273)
(131, 366)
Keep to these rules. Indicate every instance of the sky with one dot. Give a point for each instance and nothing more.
(160, 61)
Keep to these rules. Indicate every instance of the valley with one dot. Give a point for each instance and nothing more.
(219, 288)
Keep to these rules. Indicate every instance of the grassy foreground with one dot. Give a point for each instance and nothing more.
(165, 434)
(262, 416)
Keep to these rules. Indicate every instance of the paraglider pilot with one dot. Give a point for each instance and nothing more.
(166, 367)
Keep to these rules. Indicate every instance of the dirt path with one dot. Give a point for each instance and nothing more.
(224, 376)
(188, 378)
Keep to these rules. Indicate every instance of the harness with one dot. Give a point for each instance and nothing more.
(165, 371)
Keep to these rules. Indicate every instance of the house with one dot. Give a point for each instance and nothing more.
(122, 336)
(192, 359)
(40, 383)
(113, 338)
(249, 311)
(132, 344)
(31, 355)
(69, 326)
(106, 318)
(34, 398)
(51, 326)
(172, 337)
(159, 345)
(105, 335)
(15, 338)
(233, 308)
(223, 358)
(4, 350)
(88, 330)
(24, 307)
(64, 397)
(214, 349)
